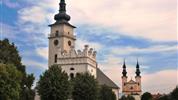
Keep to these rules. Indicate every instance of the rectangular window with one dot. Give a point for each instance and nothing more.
(55, 59)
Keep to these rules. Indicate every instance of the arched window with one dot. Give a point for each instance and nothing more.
(72, 69)
(77, 74)
(131, 88)
(69, 43)
(71, 75)
(57, 33)
(55, 58)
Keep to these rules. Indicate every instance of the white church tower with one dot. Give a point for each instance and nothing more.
(62, 47)
(62, 51)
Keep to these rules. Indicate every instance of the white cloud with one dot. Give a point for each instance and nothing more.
(151, 19)
(155, 20)
(33, 63)
(43, 52)
(156, 48)
(164, 81)
(80, 44)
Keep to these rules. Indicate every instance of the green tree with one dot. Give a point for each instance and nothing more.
(123, 97)
(171, 96)
(27, 93)
(146, 96)
(164, 97)
(129, 97)
(53, 84)
(85, 87)
(10, 79)
(10, 55)
(174, 94)
(106, 93)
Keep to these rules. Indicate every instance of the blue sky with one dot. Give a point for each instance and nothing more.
(121, 29)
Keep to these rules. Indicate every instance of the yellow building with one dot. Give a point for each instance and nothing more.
(131, 87)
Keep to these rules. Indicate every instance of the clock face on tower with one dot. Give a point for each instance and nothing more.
(56, 42)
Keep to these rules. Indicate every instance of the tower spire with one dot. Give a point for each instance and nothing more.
(137, 69)
(62, 5)
(62, 16)
(124, 72)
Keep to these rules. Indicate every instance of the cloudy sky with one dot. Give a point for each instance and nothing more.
(117, 29)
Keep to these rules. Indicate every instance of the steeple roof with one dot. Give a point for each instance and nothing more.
(124, 72)
(137, 69)
(62, 15)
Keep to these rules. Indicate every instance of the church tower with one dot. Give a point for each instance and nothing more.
(131, 87)
(124, 76)
(138, 77)
(62, 47)
(61, 36)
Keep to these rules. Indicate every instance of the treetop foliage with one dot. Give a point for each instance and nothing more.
(10, 79)
(85, 87)
(106, 93)
(53, 84)
(146, 96)
(10, 55)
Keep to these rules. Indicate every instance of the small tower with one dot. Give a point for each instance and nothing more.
(138, 77)
(124, 76)
(61, 36)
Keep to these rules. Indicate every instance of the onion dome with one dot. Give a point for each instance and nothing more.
(62, 16)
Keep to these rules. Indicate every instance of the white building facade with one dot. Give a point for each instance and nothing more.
(62, 51)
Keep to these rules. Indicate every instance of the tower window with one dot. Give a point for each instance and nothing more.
(57, 33)
(69, 43)
(131, 88)
(55, 58)
(72, 69)
(71, 75)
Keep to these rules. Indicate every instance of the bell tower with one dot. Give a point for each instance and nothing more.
(124, 77)
(138, 77)
(61, 36)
